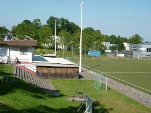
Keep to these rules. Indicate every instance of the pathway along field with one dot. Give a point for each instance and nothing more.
(86, 75)
(135, 71)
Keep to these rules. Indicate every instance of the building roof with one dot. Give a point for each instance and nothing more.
(41, 64)
(52, 62)
(19, 42)
(39, 59)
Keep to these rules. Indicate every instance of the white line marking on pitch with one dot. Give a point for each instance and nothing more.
(126, 72)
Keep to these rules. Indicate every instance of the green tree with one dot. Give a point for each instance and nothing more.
(65, 38)
(1, 38)
(99, 38)
(13, 29)
(45, 39)
(62, 24)
(37, 25)
(73, 28)
(51, 23)
(88, 38)
(135, 39)
(27, 22)
(3, 30)
(24, 29)
(76, 38)
(114, 47)
(121, 46)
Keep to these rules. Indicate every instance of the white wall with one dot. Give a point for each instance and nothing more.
(127, 46)
(15, 52)
(120, 55)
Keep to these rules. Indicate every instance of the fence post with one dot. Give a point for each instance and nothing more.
(17, 71)
(133, 90)
(106, 83)
(114, 82)
(20, 72)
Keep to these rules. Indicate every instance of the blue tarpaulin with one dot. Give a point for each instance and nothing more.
(94, 53)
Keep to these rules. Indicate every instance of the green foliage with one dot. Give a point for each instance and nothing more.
(114, 47)
(62, 24)
(37, 23)
(27, 22)
(23, 29)
(1, 38)
(51, 23)
(121, 46)
(3, 30)
(135, 39)
(67, 31)
(43, 51)
(45, 39)
(22, 97)
(117, 41)
(93, 39)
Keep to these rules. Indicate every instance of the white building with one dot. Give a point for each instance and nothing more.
(22, 49)
(127, 46)
(107, 45)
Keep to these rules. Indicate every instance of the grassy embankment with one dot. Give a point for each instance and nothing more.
(21, 97)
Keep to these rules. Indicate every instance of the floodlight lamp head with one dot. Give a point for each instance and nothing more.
(82, 4)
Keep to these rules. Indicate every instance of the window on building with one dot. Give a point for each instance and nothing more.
(148, 50)
(23, 50)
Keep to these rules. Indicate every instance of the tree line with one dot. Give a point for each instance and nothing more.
(69, 34)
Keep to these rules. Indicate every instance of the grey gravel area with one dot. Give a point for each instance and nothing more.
(88, 75)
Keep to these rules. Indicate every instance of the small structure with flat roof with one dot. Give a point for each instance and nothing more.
(56, 68)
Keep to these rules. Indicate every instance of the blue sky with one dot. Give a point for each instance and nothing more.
(118, 17)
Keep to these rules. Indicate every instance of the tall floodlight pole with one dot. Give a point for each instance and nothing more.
(55, 36)
(117, 50)
(81, 40)
(72, 47)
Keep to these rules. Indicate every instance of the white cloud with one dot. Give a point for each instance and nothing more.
(130, 14)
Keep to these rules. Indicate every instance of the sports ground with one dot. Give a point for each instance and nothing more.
(134, 72)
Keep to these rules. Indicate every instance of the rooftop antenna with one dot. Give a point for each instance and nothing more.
(27, 37)
(14, 38)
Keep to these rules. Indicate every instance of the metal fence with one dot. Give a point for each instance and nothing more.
(130, 90)
(35, 78)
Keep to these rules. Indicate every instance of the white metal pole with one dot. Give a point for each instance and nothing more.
(72, 48)
(85, 51)
(138, 56)
(63, 50)
(81, 40)
(55, 36)
(106, 83)
(117, 50)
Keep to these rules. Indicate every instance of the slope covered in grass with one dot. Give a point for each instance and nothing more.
(21, 97)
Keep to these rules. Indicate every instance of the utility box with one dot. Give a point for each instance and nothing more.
(94, 53)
